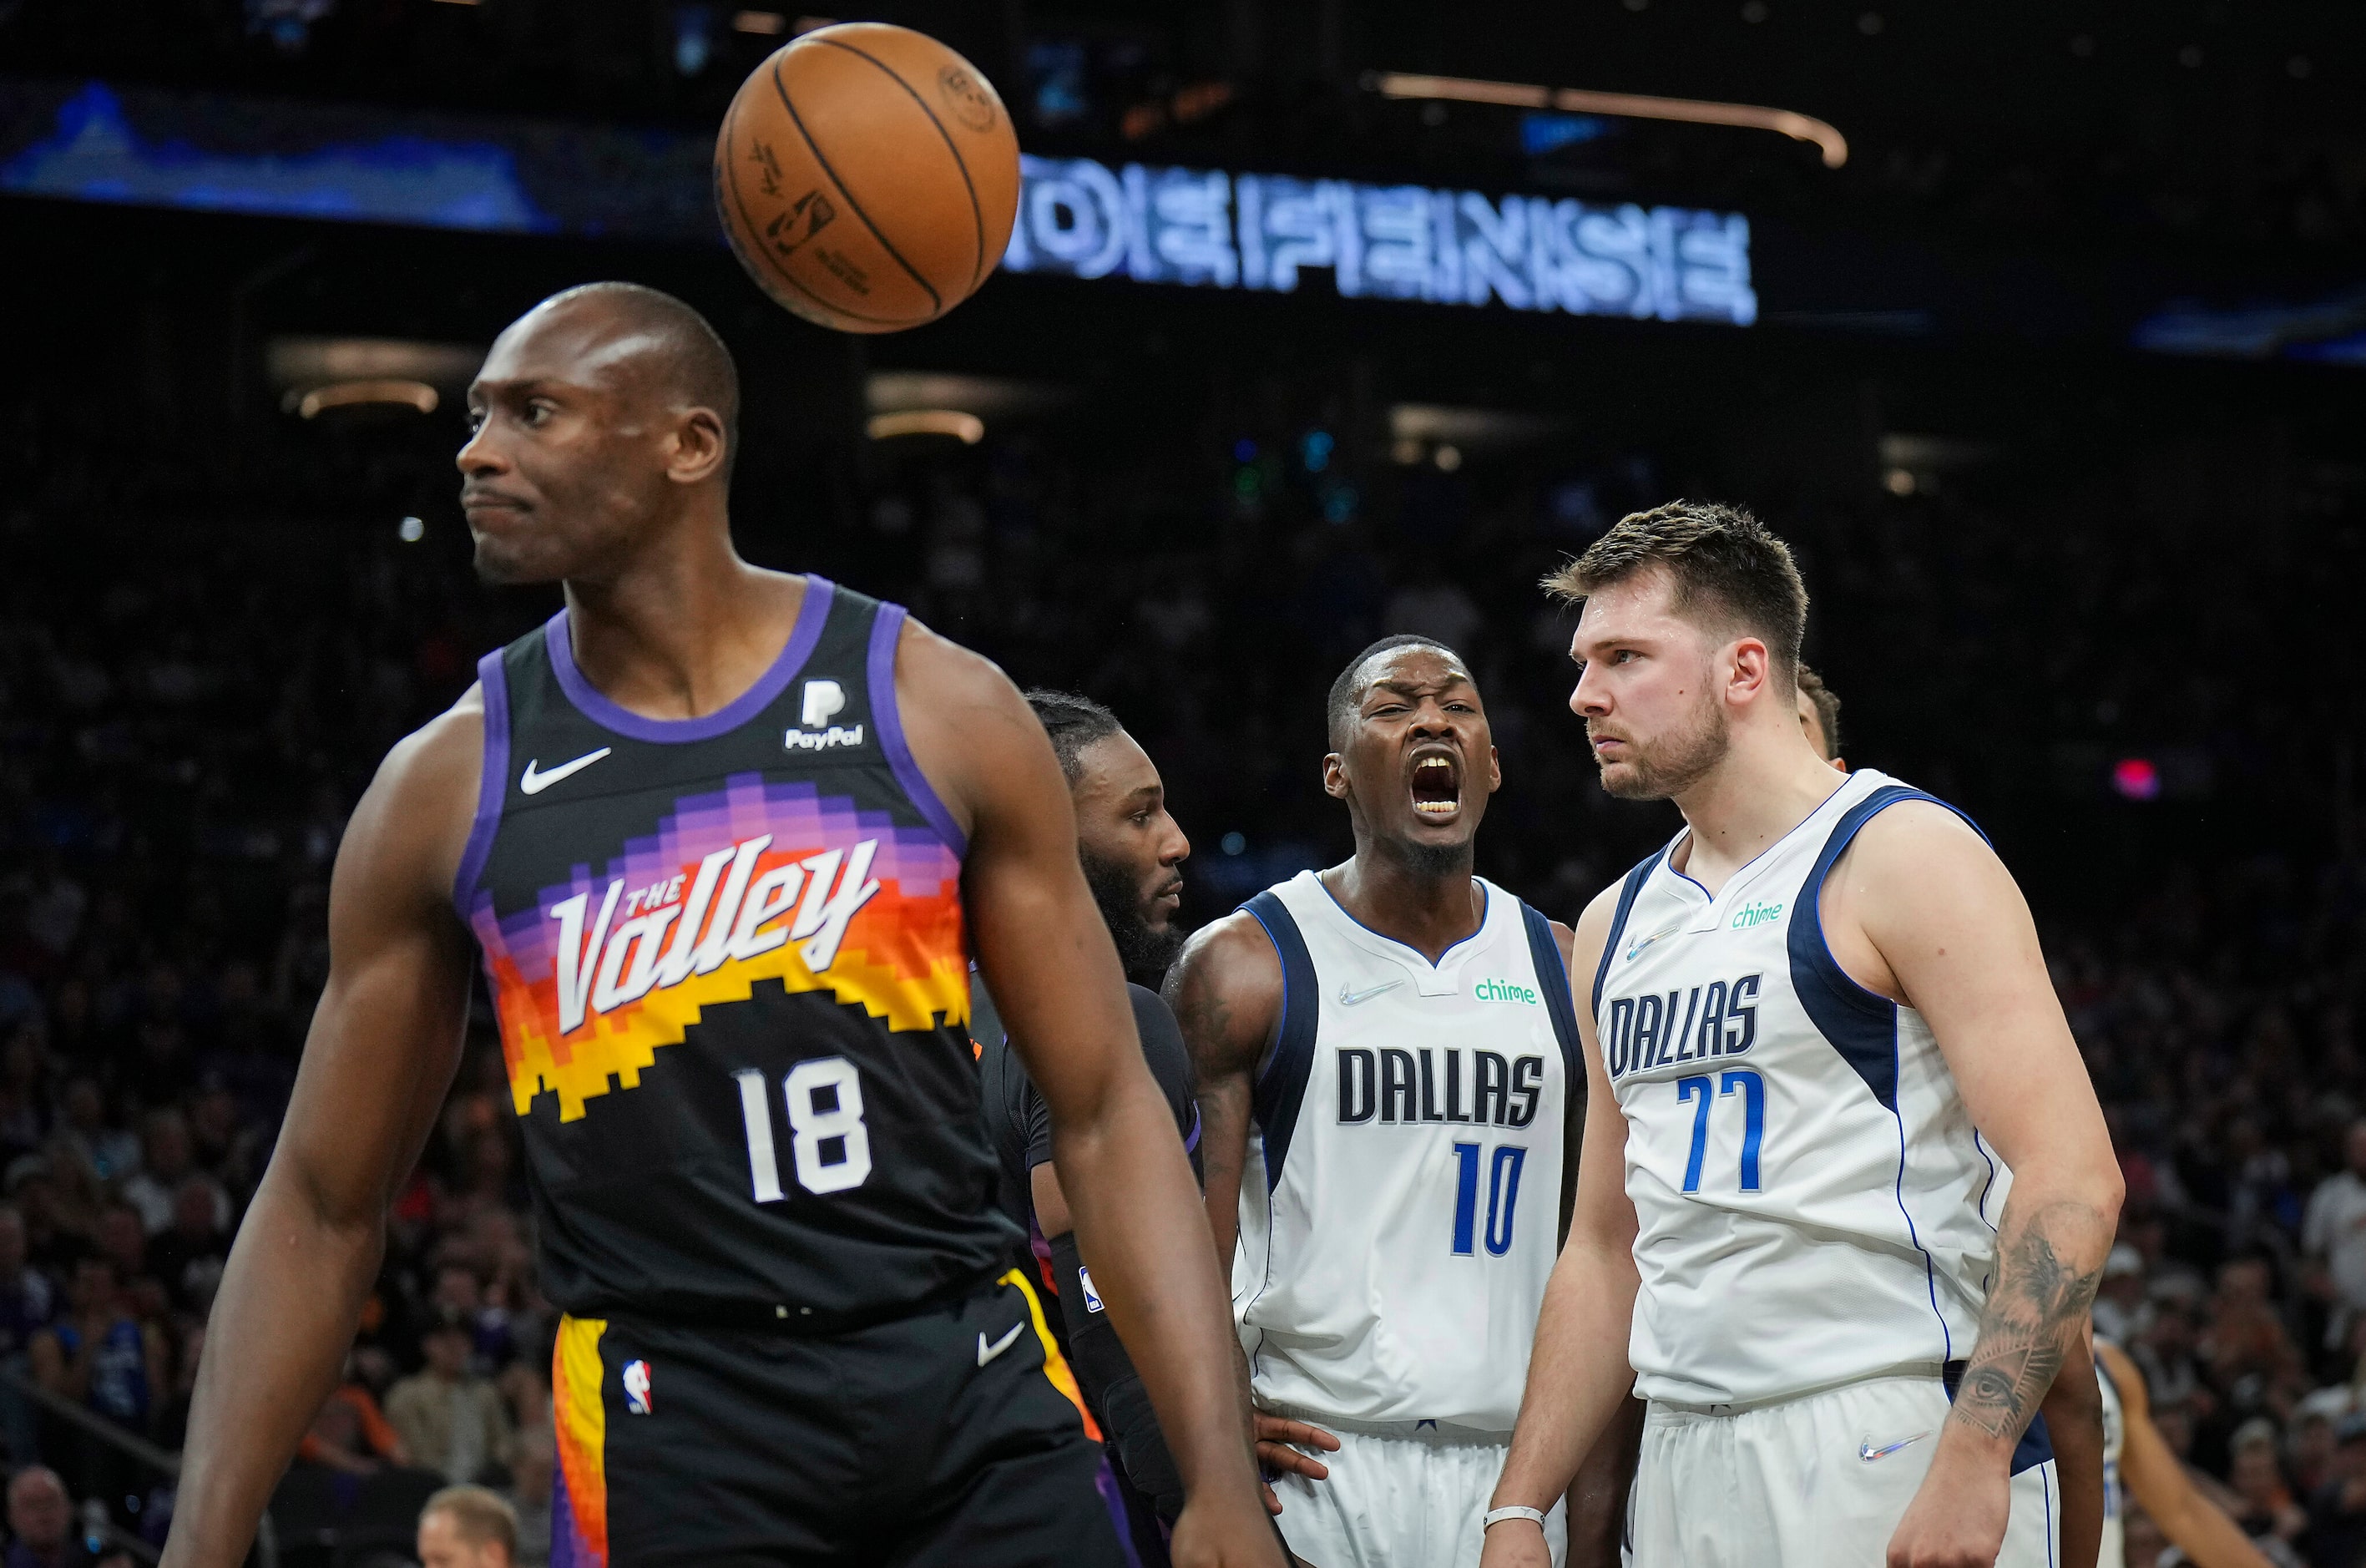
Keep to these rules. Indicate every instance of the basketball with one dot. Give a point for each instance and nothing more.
(867, 176)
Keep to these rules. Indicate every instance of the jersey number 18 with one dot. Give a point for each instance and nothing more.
(827, 1135)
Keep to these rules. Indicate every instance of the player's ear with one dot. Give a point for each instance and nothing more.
(1494, 771)
(1751, 668)
(699, 447)
(1334, 776)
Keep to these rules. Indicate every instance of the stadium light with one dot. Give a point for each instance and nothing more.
(769, 23)
(1629, 105)
(389, 392)
(967, 427)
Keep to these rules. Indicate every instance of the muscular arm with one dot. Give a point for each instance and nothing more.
(1921, 910)
(1053, 972)
(1578, 1380)
(2160, 1485)
(1226, 993)
(384, 1042)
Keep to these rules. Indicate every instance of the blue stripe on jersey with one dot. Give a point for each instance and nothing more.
(1858, 1025)
(1552, 974)
(1627, 896)
(1283, 1083)
(1861, 1027)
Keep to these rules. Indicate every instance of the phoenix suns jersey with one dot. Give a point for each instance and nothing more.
(727, 955)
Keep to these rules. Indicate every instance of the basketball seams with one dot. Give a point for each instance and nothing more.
(747, 226)
(781, 88)
(976, 213)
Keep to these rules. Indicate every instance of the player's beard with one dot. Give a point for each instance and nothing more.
(1142, 948)
(1673, 762)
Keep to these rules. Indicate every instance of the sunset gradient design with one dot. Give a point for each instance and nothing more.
(903, 960)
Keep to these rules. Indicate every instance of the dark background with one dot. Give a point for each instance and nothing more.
(2035, 551)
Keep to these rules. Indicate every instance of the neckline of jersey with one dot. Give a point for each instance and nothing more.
(1710, 900)
(1486, 908)
(606, 711)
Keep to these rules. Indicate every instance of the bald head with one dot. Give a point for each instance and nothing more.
(604, 419)
(666, 348)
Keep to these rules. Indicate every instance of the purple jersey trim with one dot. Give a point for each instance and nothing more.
(880, 673)
(811, 613)
(493, 779)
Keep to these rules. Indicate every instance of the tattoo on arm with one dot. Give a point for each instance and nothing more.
(2033, 1319)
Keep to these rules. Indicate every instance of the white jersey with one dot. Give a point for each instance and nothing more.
(2114, 1553)
(1401, 1206)
(1816, 1206)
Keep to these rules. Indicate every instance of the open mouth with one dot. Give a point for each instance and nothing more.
(1436, 786)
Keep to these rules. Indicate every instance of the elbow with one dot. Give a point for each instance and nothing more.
(2108, 1189)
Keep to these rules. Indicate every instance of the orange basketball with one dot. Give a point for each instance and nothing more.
(868, 176)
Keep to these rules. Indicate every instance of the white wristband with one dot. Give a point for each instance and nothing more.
(1494, 1517)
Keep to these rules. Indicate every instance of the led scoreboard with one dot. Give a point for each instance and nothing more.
(1209, 229)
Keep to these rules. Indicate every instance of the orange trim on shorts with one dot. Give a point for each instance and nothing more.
(1055, 1366)
(580, 1414)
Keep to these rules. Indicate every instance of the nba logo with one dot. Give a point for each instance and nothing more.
(823, 699)
(1092, 1297)
(636, 1387)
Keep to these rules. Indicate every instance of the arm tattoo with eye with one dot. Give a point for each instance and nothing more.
(2033, 1318)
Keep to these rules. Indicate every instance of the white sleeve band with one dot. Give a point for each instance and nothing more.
(1516, 1511)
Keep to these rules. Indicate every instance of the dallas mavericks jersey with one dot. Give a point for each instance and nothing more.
(1401, 1207)
(1815, 1204)
(2114, 1553)
(727, 955)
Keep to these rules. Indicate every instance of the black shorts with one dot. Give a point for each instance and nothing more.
(951, 1438)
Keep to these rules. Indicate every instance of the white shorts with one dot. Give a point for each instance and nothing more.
(1405, 1494)
(1819, 1480)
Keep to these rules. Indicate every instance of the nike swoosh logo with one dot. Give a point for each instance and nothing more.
(1348, 998)
(531, 783)
(986, 1352)
(1867, 1452)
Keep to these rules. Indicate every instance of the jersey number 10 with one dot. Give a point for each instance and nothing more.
(1502, 1197)
(831, 1145)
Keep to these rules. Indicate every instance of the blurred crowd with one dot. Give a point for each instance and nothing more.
(190, 702)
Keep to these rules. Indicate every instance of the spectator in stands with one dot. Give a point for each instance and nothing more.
(2256, 1478)
(28, 1303)
(450, 1420)
(189, 1256)
(351, 1433)
(165, 1162)
(467, 1526)
(40, 1518)
(100, 1355)
(2121, 1297)
(2333, 1233)
(2250, 1353)
(2336, 1515)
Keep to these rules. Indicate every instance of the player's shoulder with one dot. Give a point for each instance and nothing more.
(1226, 986)
(439, 766)
(411, 825)
(1921, 845)
(951, 673)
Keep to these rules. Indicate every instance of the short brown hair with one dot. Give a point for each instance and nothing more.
(1718, 556)
(1828, 709)
(480, 1513)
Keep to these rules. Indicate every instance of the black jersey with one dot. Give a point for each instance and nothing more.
(1018, 1122)
(728, 957)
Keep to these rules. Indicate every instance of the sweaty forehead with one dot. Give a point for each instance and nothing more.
(1411, 670)
(578, 341)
